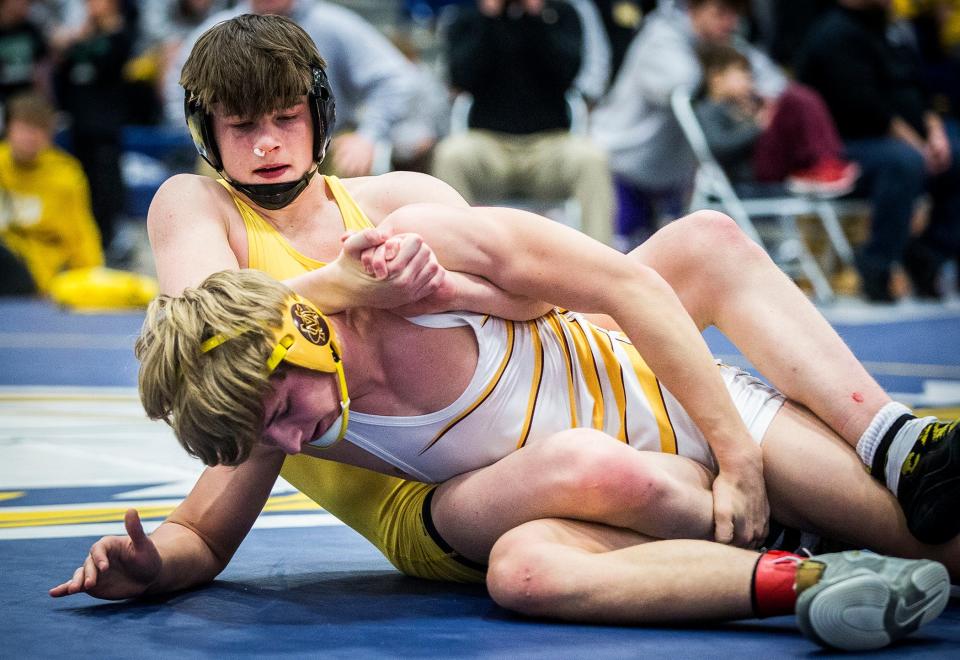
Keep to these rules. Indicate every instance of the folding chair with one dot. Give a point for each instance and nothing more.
(783, 240)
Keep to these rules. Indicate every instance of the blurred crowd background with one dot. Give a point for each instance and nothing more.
(563, 106)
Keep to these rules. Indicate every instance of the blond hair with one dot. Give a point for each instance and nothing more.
(213, 400)
(251, 65)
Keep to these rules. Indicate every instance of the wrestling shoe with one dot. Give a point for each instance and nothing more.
(865, 601)
(929, 489)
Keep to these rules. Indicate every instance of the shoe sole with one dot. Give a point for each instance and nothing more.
(858, 614)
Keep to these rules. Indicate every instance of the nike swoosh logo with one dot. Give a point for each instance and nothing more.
(905, 614)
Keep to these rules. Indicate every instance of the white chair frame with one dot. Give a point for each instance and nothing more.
(713, 189)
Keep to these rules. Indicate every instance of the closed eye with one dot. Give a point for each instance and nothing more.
(277, 413)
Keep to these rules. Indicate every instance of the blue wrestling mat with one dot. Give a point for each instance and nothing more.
(76, 451)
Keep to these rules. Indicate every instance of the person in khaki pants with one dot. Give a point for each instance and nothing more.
(518, 59)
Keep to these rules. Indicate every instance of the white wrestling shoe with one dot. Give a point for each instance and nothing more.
(866, 601)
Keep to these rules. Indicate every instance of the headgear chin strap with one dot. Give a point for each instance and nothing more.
(271, 196)
(306, 339)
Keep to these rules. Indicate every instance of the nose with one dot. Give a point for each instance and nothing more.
(288, 440)
(265, 143)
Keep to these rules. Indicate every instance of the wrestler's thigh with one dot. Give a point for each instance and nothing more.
(815, 481)
(580, 473)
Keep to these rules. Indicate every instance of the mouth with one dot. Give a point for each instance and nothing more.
(271, 171)
(317, 431)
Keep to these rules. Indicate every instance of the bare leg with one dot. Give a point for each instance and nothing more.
(587, 572)
(726, 280)
(816, 483)
(581, 474)
(582, 571)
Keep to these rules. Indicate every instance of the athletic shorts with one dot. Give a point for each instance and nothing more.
(417, 549)
(757, 403)
(391, 513)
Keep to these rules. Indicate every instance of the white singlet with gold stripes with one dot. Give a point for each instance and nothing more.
(538, 377)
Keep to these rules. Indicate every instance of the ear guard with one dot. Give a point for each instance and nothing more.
(322, 111)
(305, 339)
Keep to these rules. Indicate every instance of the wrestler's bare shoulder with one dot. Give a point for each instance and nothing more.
(380, 195)
(199, 195)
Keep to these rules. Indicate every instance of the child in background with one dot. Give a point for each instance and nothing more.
(792, 139)
(46, 222)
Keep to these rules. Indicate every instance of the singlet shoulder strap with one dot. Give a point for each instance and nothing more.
(267, 248)
(354, 219)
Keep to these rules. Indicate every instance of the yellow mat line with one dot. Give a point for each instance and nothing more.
(294, 502)
(942, 413)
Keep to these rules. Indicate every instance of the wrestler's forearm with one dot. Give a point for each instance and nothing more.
(478, 294)
(326, 288)
(187, 560)
(652, 316)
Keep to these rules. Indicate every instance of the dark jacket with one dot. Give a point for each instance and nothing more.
(517, 67)
(861, 75)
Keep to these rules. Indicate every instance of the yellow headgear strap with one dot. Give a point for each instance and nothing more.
(305, 339)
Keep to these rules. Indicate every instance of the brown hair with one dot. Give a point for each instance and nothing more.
(251, 65)
(213, 400)
(715, 58)
(33, 109)
(739, 6)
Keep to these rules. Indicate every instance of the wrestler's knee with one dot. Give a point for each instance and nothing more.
(716, 236)
(524, 574)
(603, 475)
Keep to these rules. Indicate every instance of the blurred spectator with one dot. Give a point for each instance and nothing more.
(169, 22)
(621, 20)
(903, 147)
(46, 223)
(792, 139)
(416, 135)
(371, 80)
(650, 158)
(518, 59)
(783, 25)
(935, 30)
(164, 24)
(90, 87)
(594, 75)
(23, 51)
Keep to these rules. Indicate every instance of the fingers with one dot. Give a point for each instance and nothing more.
(741, 532)
(101, 558)
(435, 281)
(399, 257)
(131, 520)
(723, 529)
(90, 574)
(84, 578)
(354, 244)
(374, 260)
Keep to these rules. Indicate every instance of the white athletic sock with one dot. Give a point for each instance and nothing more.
(867, 444)
(902, 443)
